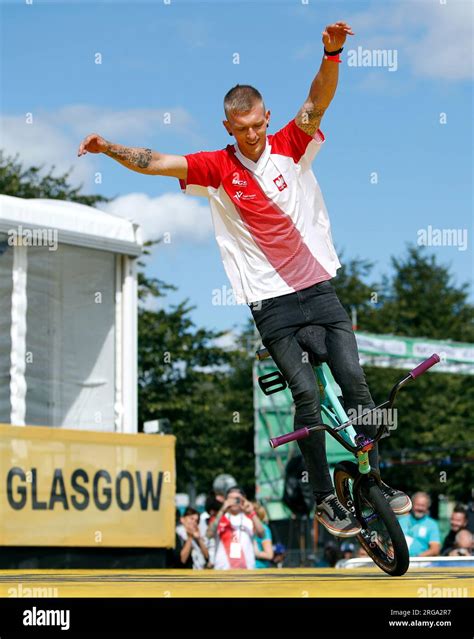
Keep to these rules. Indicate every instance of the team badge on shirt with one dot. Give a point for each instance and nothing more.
(280, 182)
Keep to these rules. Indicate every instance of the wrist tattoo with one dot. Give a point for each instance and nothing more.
(135, 157)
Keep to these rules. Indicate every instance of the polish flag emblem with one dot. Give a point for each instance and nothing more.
(280, 182)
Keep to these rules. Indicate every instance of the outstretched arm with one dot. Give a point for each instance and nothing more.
(137, 159)
(324, 84)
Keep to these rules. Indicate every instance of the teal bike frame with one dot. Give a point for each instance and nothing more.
(335, 416)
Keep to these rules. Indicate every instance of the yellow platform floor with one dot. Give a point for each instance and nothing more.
(288, 582)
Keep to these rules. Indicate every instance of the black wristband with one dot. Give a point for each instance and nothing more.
(331, 53)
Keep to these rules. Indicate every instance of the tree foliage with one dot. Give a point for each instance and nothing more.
(432, 447)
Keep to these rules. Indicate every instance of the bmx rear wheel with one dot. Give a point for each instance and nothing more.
(381, 535)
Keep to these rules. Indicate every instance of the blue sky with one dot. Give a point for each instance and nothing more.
(164, 69)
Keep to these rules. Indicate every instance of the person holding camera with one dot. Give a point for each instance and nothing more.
(234, 528)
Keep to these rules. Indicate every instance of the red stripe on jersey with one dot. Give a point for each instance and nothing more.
(227, 535)
(274, 233)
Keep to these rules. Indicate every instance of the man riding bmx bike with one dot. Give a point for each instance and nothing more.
(274, 236)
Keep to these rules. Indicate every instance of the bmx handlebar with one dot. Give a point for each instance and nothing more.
(301, 433)
(424, 366)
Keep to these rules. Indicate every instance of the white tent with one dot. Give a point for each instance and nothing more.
(68, 316)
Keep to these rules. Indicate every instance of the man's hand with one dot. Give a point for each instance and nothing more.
(228, 503)
(93, 143)
(334, 35)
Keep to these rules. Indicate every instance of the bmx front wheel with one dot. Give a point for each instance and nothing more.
(381, 535)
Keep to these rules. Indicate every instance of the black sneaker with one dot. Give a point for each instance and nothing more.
(398, 501)
(335, 518)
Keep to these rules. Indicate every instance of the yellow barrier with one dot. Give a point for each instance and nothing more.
(62, 487)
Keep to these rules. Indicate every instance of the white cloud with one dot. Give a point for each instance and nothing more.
(81, 119)
(43, 143)
(447, 43)
(433, 39)
(228, 341)
(53, 137)
(179, 215)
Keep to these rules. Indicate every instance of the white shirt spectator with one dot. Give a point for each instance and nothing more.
(235, 543)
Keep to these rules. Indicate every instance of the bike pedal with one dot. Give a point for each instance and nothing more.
(272, 383)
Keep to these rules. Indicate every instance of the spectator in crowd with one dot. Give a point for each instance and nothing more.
(470, 515)
(191, 550)
(331, 555)
(362, 553)
(347, 549)
(463, 544)
(421, 531)
(234, 527)
(458, 521)
(279, 554)
(263, 546)
(211, 507)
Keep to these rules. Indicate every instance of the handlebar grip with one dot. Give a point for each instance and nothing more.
(424, 366)
(301, 433)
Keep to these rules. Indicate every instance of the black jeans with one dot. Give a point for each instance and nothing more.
(278, 320)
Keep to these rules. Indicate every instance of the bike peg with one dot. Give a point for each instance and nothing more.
(272, 382)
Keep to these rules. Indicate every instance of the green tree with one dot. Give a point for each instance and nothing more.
(432, 447)
(423, 301)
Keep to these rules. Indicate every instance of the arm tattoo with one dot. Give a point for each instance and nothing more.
(130, 156)
(309, 118)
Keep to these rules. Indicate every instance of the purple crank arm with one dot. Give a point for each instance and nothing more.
(424, 366)
(301, 433)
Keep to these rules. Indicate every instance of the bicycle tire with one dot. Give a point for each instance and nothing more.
(367, 492)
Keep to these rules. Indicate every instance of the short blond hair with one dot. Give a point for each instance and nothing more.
(241, 99)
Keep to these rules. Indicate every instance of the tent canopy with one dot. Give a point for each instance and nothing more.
(76, 224)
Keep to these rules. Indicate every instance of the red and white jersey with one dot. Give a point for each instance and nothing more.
(269, 216)
(234, 529)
